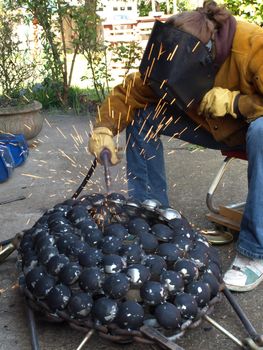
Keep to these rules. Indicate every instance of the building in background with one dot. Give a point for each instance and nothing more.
(122, 10)
(118, 10)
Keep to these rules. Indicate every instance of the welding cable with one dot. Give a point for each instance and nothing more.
(86, 179)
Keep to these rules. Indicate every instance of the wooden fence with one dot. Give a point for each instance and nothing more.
(128, 31)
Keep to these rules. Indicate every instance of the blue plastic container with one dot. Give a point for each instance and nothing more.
(7, 164)
(17, 145)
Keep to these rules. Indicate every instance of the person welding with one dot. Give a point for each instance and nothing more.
(200, 80)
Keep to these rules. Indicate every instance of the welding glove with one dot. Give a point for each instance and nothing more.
(218, 102)
(100, 139)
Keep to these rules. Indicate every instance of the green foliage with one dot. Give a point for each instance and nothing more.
(251, 10)
(129, 54)
(87, 39)
(47, 93)
(144, 8)
(16, 68)
(50, 15)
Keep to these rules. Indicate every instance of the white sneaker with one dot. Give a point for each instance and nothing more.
(244, 274)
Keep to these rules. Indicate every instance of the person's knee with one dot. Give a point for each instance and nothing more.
(255, 134)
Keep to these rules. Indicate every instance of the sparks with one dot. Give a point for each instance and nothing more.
(61, 132)
(195, 47)
(33, 176)
(47, 122)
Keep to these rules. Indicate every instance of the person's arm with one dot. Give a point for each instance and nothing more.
(117, 111)
(218, 101)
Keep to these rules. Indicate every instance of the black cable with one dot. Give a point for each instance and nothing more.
(86, 179)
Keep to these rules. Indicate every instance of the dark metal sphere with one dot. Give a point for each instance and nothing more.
(199, 258)
(90, 257)
(138, 226)
(63, 208)
(187, 305)
(58, 297)
(111, 245)
(117, 230)
(188, 269)
(115, 197)
(91, 279)
(156, 264)
(47, 253)
(170, 252)
(173, 281)
(130, 315)
(93, 236)
(116, 285)
(75, 248)
(162, 232)
(26, 244)
(56, 263)
(133, 253)
(87, 224)
(80, 305)
(153, 293)
(56, 217)
(78, 214)
(168, 316)
(70, 273)
(30, 260)
(44, 242)
(113, 263)
(96, 198)
(138, 274)
(181, 226)
(33, 276)
(148, 242)
(43, 286)
(201, 291)
(105, 310)
(64, 242)
(213, 283)
(183, 242)
(61, 228)
(215, 270)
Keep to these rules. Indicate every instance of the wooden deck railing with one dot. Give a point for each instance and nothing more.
(137, 30)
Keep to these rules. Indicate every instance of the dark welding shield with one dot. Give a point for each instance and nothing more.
(177, 65)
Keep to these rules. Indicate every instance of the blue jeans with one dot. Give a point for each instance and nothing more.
(146, 169)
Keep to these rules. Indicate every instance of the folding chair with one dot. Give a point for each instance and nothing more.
(227, 216)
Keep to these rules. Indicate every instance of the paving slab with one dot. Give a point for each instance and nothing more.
(52, 173)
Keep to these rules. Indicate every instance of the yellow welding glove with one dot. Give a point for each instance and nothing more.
(218, 102)
(100, 139)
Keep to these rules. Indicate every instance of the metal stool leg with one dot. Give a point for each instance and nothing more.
(215, 183)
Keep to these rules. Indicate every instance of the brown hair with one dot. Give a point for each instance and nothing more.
(201, 22)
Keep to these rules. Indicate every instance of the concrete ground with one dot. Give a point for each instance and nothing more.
(53, 171)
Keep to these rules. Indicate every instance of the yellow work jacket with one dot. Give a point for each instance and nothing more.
(242, 71)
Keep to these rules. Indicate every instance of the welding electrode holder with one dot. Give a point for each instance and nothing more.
(105, 156)
(7, 247)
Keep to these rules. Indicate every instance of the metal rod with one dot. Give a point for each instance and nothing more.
(6, 250)
(20, 198)
(86, 338)
(86, 179)
(215, 183)
(105, 159)
(32, 327)
(224, 331)
(243, 318)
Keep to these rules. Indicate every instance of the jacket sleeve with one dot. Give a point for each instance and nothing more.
(251, 106)
(118, 109)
